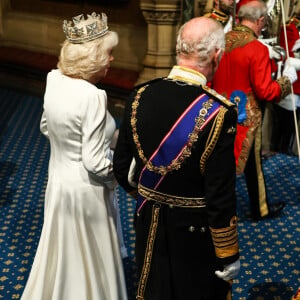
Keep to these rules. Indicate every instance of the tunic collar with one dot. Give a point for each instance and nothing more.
(244, 29)
(187, 75)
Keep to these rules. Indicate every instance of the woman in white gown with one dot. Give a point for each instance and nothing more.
(78, 256)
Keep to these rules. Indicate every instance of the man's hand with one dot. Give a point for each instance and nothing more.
(295, 62)
(290, 71)
(230, 271)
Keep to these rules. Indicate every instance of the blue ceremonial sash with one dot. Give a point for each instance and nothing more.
(174, 142)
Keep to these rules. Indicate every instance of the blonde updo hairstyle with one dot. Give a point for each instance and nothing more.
(86, 59)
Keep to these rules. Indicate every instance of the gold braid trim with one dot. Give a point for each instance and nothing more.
(239, 37)
(295, 20)
(171, 200)
(226, 239)
(148, 253)
(213, 138)
(186, 151)
(285, 85)
(297, 296)
(218, 15)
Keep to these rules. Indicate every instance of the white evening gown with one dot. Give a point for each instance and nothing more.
(78, 256)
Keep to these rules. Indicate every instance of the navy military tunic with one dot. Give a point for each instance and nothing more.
(179, 248)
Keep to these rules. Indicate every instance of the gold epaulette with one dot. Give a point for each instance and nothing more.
(218, 15)
(295, 20)
(221, 99)
(226, 239)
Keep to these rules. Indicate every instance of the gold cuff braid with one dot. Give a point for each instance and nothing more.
(226, 239)
(285, 86)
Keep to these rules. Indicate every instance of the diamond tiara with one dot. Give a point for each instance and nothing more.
(85, 30)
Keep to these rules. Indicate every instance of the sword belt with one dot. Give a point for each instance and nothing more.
(171, 200)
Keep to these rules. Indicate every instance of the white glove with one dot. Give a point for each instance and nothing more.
(295, 62)
(131, 173)
(290, 71)
(230, 271)
(272, 53)
(296, 46)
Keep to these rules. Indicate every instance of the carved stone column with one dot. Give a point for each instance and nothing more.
(163, 18)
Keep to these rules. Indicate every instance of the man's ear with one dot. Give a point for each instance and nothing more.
(259, 20)
(218, 55)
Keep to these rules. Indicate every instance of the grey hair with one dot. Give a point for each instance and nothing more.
(84, 60)
(252, 12)
(211, 39)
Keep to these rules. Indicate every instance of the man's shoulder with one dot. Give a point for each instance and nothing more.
(149, 82)
(245, 41)
(217, 97)
(239, 37)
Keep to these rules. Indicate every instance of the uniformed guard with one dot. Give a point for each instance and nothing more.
(223, 12)
(176, 148)
(245, 67)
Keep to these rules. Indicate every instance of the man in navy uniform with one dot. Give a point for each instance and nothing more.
(176, 143)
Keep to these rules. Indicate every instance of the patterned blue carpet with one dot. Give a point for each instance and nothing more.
(270, 249)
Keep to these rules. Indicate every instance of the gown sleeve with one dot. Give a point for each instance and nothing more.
(43, 125)
(95, 152)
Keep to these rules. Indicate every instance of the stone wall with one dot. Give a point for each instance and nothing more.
(37, 25)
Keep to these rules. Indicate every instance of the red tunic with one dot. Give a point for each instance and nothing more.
(292, 36)
(245, 66)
